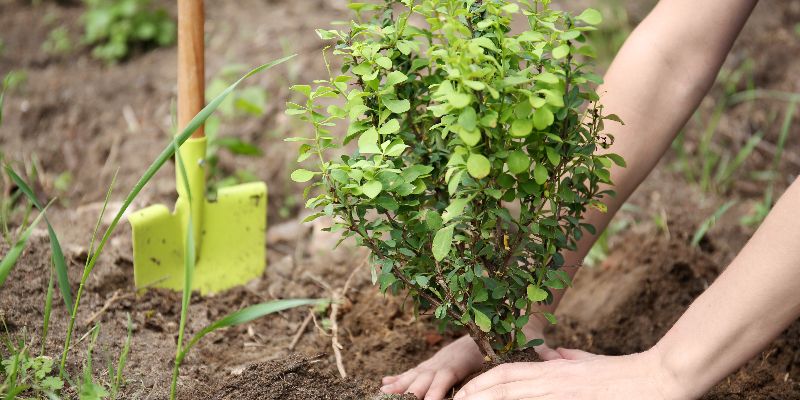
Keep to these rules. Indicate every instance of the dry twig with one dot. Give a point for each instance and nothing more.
(117, 296)
(339, 296)
(301, 329)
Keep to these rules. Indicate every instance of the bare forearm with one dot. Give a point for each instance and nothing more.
(754, 300)
(654, 84)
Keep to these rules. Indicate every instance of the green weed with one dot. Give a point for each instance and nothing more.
(709, 222)
(58, 42)
(762, 208)
(24, 373)
(115, 27)
(248, 101)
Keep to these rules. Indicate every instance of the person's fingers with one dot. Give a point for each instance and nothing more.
(442, 383)
(498, 376)
(421, 384)
(574, 354)
(547, 353)
(518, 390)
(402, 382)
(389, 379)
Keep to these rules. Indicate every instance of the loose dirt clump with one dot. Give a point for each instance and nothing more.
(293, 378)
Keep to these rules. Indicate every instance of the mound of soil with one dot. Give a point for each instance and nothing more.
(294, 378)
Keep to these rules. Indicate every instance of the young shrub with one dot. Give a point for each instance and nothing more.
(477, 154)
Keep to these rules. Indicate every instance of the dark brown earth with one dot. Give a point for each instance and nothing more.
(79, 116)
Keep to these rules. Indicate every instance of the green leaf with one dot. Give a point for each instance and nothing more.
(384, 62)
(560, 51)
(372, 189)
(391, 126)
(470, 138)
(518, 162)
(521, 127)
(553, 156)
(590, 16)
(395, 77)
(302, 175)
(10, 259)
(304, 89)
(617, 159)
(542, 118)
(459, 100)
(433, 220)
(550, 318)
(478, 166)
(536, 294)
(455, 209)
(397, 106)
(238, 146)
(547, 77)
(483, 322)
(540, 174)
(468, 119)
(368, 142)
(56, 252)
(442, 242)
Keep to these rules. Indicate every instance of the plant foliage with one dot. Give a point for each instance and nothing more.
(115, 26)
(477, 153)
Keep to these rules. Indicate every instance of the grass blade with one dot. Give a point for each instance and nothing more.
(56, 252)
(188, 275)
(10, 259)
(48, 307)
(725, 174)
(123, 359)
(709, 222)
(250, 313)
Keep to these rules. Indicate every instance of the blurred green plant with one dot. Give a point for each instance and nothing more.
(601, 248)
(713, 166)
(115, 27)
(763, 207)
(248, 101)
(58, 42)
(612, 33)
(709, 222)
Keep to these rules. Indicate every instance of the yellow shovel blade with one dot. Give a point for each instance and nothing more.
(231, 247)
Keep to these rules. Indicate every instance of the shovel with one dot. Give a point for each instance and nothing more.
(230, 230)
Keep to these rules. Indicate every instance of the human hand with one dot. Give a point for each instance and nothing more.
(578, 375)
(436, 375)
(433, 378)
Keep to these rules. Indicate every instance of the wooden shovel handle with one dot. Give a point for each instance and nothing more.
(191, 62)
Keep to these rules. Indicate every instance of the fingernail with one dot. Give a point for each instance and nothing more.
(385, 389)
(459, 395)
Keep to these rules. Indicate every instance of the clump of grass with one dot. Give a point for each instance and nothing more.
(762, 208)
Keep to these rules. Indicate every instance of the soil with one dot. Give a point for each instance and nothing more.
(77, 116)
